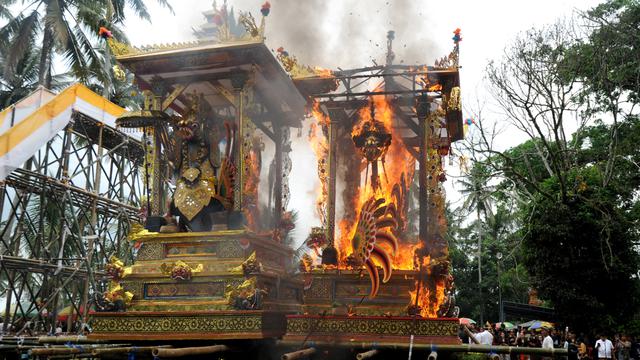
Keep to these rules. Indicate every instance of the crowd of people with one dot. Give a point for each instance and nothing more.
(579, 346)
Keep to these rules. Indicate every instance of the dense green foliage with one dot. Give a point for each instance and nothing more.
(66, 31)
(570, 204)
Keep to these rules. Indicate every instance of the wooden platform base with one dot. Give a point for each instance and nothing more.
(188, 325)
(383, 330)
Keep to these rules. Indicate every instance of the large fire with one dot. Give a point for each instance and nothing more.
(429, 301)
(397, 167)
(397, 162)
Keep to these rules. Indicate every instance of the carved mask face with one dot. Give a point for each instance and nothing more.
(188, 128)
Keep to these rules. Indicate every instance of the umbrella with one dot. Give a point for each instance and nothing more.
(541, 325)
(528, 323)
(69, 310)
(505, 325)
(466, 321)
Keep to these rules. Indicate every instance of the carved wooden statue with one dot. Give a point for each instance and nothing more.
(204, 184)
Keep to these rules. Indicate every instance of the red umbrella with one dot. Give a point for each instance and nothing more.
(466, 321)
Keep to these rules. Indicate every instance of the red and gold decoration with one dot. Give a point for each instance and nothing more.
(374, 240)
(180, 270)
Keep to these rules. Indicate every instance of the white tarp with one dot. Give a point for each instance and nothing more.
(27, 125)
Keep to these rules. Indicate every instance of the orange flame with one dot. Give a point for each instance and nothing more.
(397, 161)
(423, 79)
(432, 293)
(436, 87)
(324, 73)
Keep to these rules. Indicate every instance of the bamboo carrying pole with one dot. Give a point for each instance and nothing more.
(169, 352)
(79, 339)
(299, 354)
(127, 349)
(470, 348)
(367, 354)
(71, 350)
(57, 351)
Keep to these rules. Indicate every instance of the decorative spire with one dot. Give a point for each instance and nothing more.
(390, 55)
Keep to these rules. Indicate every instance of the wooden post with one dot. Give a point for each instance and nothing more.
(422, 108)
(66, 152)
(331, 183)
(238, 81)
(277, 132)
(425, 134)
(156, 182)
(367, 354)
(87, 284)
(7, 309)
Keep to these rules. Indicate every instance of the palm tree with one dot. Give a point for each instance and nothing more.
(24, 78)
(478, 197)
(68, 27)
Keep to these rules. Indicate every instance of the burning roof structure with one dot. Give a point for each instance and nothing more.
(381, 136)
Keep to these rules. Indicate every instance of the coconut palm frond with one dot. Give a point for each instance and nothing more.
(139, 8)
(4, 9)
(23, 80)
(55, 20)
(22, 39)
(165, 4)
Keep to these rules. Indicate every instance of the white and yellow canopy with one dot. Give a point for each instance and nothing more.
(27, 125)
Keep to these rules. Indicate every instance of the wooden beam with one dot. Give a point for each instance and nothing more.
(413, 152)
(224, 92)
(260, 125)
(177, 91)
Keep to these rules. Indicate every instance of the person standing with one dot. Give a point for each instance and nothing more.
(484, 337)
(573, 350)
(547, 342)
(604, 348)
(582, 350)
(623, 348)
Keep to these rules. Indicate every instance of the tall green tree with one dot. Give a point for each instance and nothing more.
(24, 78)
(578, 174)
(68, 27)
(478, 195)
(506, 275)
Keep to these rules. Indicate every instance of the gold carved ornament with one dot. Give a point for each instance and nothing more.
(116, 292)
(191, 199)
(249, 266)
(137, 232)
(116, 269)
(179, 270)
(454, 99)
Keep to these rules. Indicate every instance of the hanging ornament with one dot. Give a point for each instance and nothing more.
(118, 73)
(105, 33)
(373, 141)
(266, 8)
(456, 36)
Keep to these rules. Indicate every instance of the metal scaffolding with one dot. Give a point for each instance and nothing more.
(62, 215)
